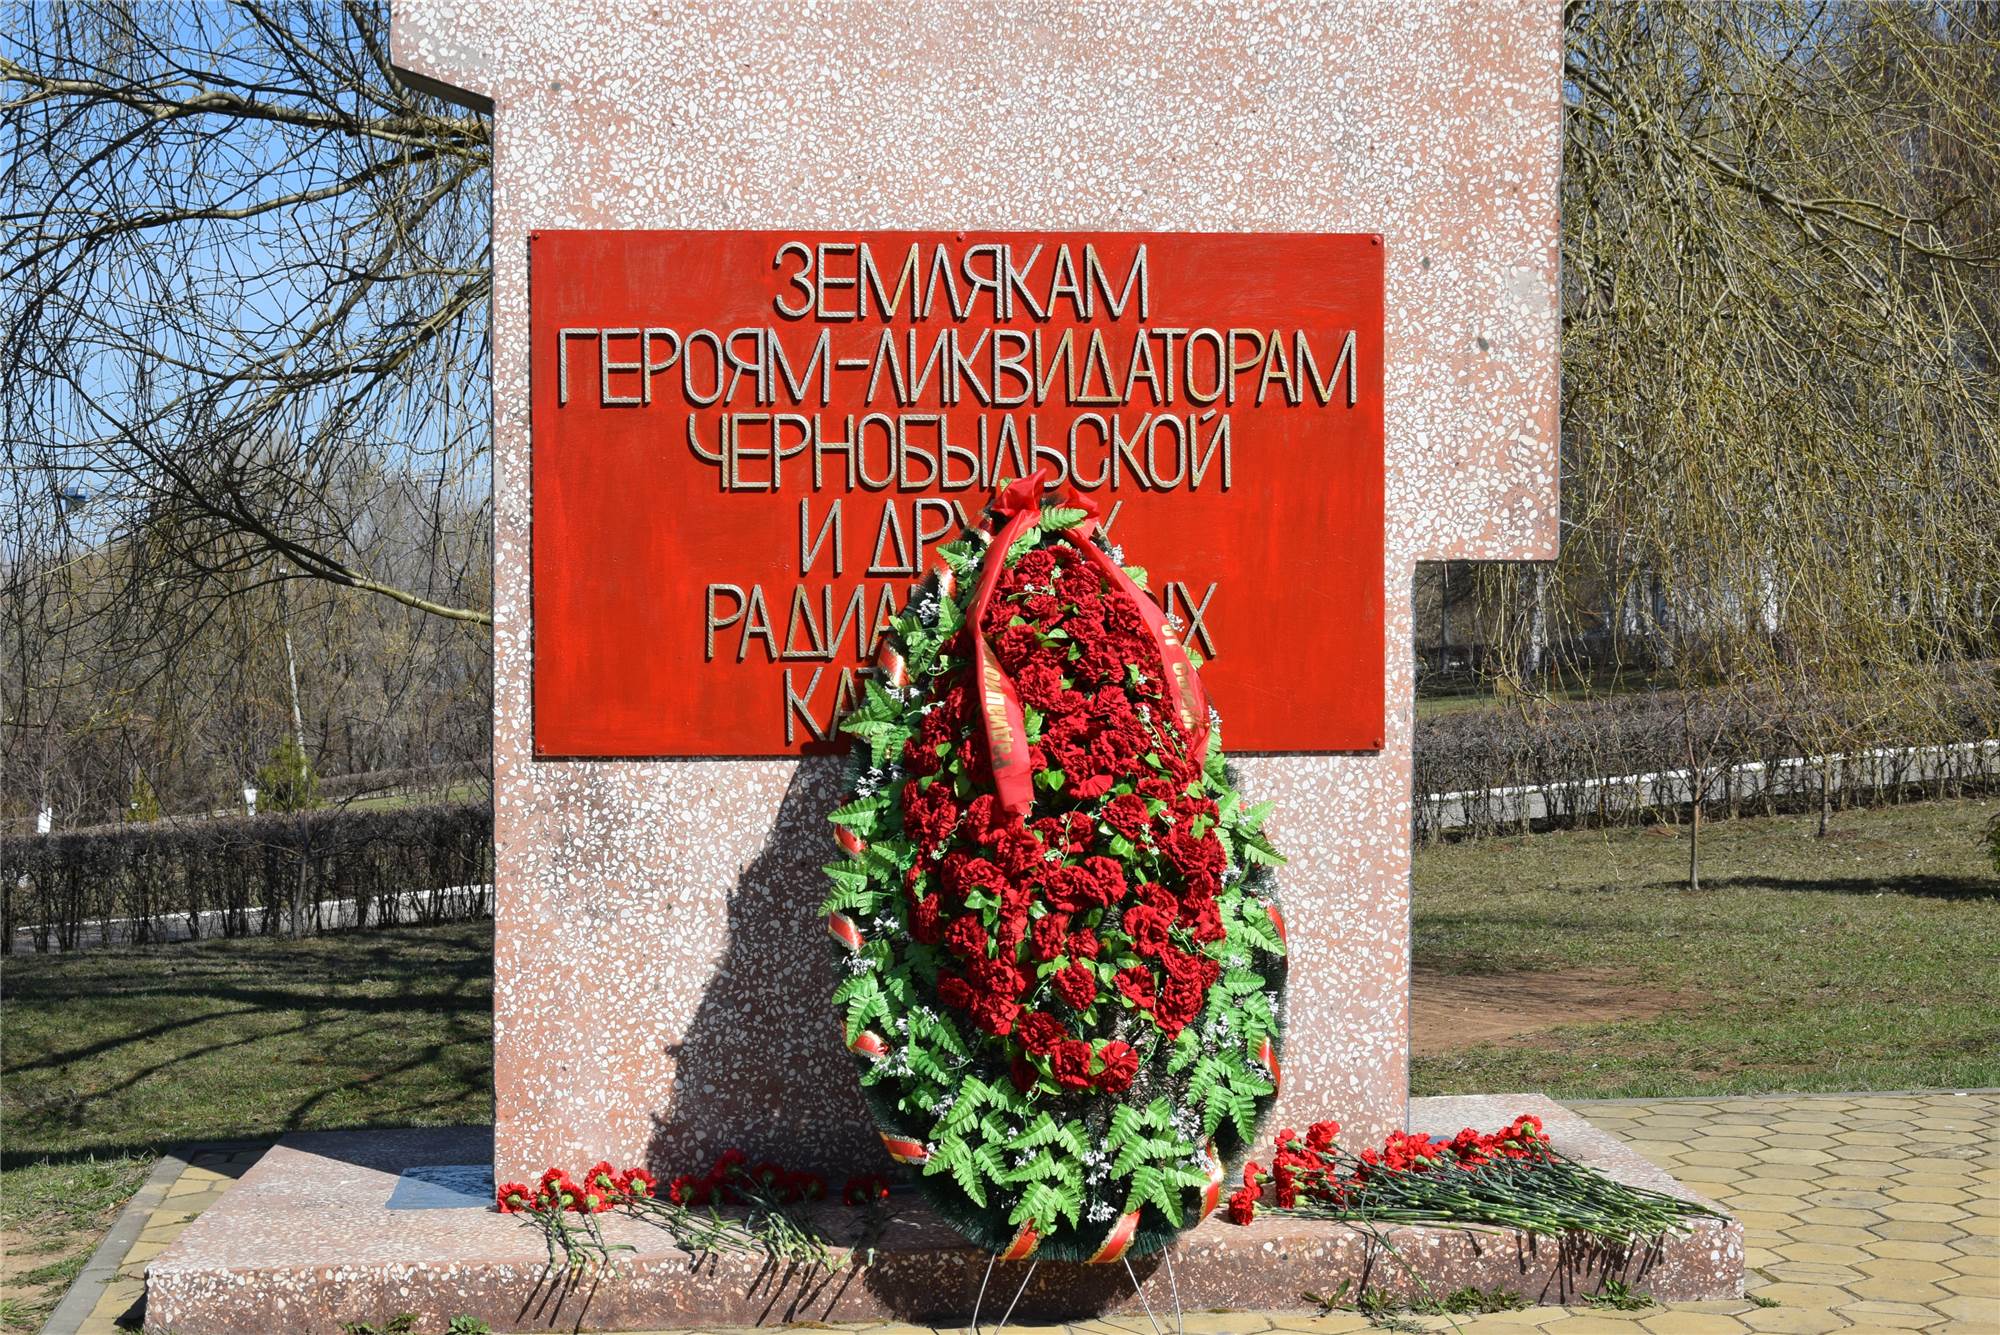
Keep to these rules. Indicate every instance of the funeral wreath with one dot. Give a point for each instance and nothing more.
(1061, 958)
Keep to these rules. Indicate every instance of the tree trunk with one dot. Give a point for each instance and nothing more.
(1694, 845)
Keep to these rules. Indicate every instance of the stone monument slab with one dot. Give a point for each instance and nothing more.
(660, 986)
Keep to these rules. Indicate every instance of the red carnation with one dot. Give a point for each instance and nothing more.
(920, 760)
(995, 1013)
(964, 873)
(926, 915)
(558, 1192)
(1242, 1206)
(1077, 984)
(1192, 856)
(1147, 927)
(954, 991)
(1017, 646)
(1121, 1063)
(1000, 976)
(1017, 850)
(864, 1188)
(514, 1197)
(1088, 785)
(1041, 684)
(929, 814)
(1071, 888)
(1036, 567)
(1083, 944)
(967, 936)
(1203, 919)
(1180, 1001)
(1136, 983)
(1127, 814)
(1110, 878)
(636, 1182)
(1013, 924)
(1040, 1032)
(1071, 1064)
(1051, 933)
(1071, 833)
(985, 818)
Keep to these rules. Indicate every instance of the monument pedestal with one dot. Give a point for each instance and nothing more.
(339, 1227)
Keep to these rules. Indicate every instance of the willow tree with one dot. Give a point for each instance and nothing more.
(1781, 392)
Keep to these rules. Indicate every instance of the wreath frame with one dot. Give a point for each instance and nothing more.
(1075, 1175)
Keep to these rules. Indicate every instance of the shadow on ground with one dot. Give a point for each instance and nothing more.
(1916, 885)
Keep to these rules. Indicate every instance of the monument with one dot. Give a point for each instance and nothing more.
(781, 293)
(795, 141)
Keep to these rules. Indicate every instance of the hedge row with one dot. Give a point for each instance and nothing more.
(290, 874)
(1554, 756)
(1529, 767)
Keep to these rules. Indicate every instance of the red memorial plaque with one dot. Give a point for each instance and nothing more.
(747, 445)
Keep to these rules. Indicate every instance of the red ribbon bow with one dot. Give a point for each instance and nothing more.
(1000, 710)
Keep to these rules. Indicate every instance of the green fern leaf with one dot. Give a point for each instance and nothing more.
(860, 814)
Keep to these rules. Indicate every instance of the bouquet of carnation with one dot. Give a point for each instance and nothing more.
(1061, 955)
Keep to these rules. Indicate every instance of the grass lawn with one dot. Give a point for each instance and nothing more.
(109, 1055)
(1870, 959)
(1866, 960)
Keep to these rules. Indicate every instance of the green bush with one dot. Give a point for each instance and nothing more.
(286, 782)
(144, 804)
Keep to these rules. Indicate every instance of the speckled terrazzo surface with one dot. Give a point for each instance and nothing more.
(307, 1240)
(658, 971)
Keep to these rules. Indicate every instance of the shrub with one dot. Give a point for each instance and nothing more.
(1555, 751)
(285, 782)
(237, 876)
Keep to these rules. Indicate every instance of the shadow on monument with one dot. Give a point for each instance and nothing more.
(761, 1067)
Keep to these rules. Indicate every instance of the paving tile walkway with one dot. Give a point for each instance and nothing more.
(1864, 1213)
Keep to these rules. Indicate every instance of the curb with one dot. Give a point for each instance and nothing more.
(102, 1267)
(1789, 1094)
